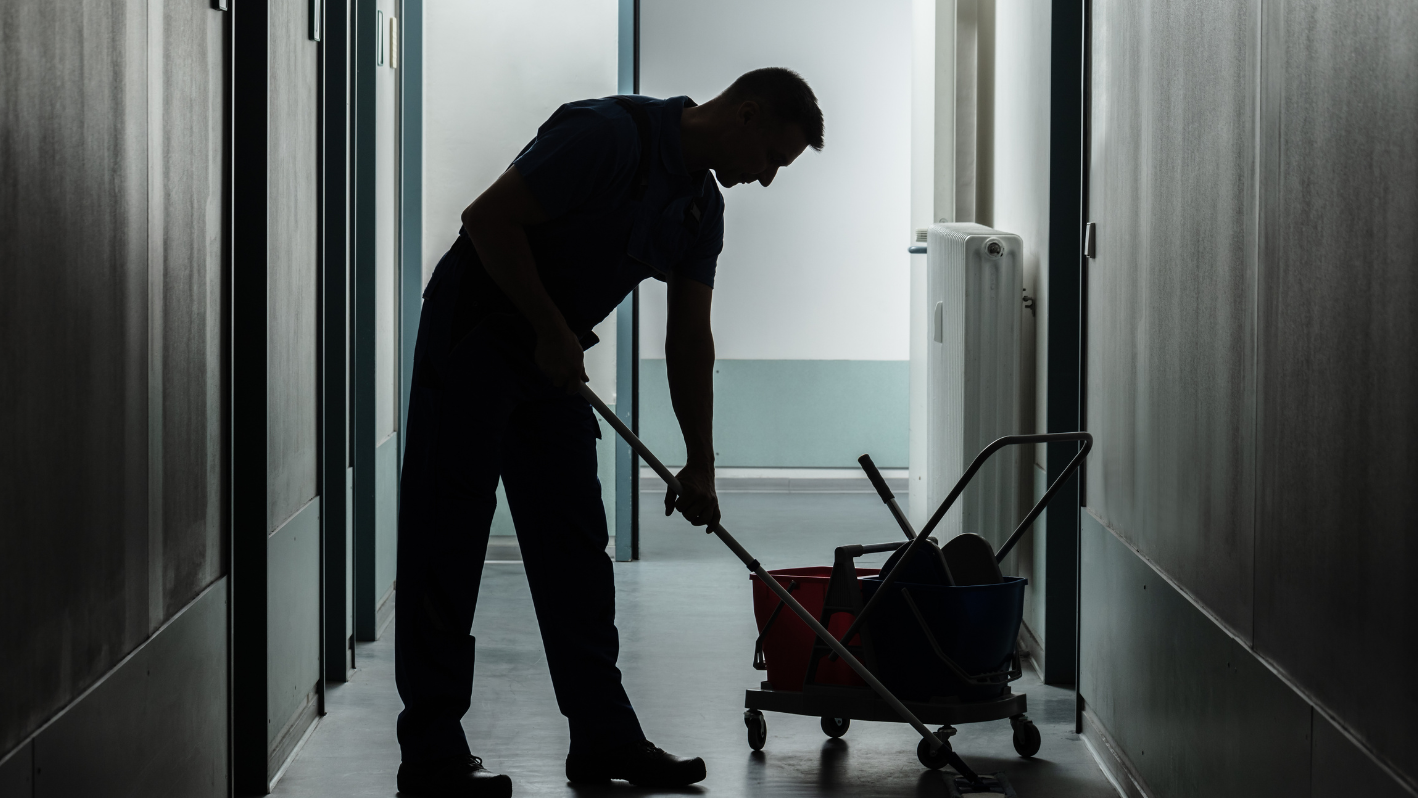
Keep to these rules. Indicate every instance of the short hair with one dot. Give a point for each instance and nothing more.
(785, 97)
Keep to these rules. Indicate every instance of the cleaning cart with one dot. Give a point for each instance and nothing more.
(938, 626)
(951, 600)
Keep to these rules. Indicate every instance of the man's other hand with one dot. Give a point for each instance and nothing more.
(699, 503)
(560, 357)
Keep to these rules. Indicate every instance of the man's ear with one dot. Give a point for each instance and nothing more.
(749, 111)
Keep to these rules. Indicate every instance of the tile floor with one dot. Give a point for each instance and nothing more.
(687, 631)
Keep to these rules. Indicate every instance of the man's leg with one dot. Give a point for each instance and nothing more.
(549, 474)
(448, 494)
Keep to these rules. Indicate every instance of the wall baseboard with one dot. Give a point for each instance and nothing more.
(385, 614)
(1114, 763)
(297, 730)
(1032, 644)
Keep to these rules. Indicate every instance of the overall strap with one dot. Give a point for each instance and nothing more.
(642, 126)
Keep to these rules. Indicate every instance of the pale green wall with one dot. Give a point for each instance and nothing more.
(790, 413)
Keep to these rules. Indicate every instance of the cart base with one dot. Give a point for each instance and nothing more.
(860, 703)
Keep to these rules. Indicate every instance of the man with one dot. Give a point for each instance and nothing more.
(610, 192)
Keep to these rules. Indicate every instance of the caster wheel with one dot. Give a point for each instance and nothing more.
(835, 727)
(757, 729)
(939, 759)
(1026, 736)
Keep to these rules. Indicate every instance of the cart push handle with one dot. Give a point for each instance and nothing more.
(818, 629)
(996, 445)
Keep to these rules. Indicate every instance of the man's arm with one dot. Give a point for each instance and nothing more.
(689, 364)
(496, 223)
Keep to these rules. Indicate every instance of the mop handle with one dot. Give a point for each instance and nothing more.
(753, 565)
(887, 497)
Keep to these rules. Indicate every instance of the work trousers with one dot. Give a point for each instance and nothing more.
(479, 410)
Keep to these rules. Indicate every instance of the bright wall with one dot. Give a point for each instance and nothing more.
(1016, 199)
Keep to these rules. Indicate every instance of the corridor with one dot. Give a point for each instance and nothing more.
(1121, 296)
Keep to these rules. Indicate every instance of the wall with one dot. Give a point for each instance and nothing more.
(112, 208)
(1017, 201)
(1250, 368)
(386, 224)
(292, 531)
(814, 268)
(386, 75)
(932, 200)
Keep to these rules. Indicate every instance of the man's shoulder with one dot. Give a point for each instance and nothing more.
(602, 114)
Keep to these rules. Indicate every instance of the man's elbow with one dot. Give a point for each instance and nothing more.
(474, 219)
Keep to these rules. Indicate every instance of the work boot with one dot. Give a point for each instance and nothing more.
(453, 777)
(642, 764)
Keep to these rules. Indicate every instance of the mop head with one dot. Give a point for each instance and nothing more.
(995, 784)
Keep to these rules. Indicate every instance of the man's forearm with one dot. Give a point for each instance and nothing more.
(505, 254)
(689, 365)
(496, 223)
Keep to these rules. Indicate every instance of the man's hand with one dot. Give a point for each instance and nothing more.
(699, 502)
(560, 357)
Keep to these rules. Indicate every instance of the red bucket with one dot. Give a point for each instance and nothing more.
(788, 644)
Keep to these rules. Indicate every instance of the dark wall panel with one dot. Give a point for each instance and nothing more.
(1337, 534)
(17, 774)
(1171, 293)
(157, 725)
(73, 342)
(110, 349)
(293, 266)
(292, 632)
(193, 364)
(1340, 768)
(1195, 712)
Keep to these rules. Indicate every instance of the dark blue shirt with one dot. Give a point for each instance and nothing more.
(600, 241)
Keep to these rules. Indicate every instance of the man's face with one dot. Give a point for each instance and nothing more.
(756, 147)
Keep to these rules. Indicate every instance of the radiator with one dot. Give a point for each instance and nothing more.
(974, 285)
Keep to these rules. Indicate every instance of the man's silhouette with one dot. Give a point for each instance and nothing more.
(610, 192)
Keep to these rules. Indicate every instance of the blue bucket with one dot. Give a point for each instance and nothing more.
(975, 626)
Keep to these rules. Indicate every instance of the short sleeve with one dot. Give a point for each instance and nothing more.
(579, 155)
(702, 259)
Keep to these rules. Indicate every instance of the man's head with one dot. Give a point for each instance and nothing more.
(762, 122)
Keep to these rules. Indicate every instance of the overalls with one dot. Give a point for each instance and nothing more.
(480, 409)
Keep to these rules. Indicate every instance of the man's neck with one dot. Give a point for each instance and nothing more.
(696, 136)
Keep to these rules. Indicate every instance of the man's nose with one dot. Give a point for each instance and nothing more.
(765, 178)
